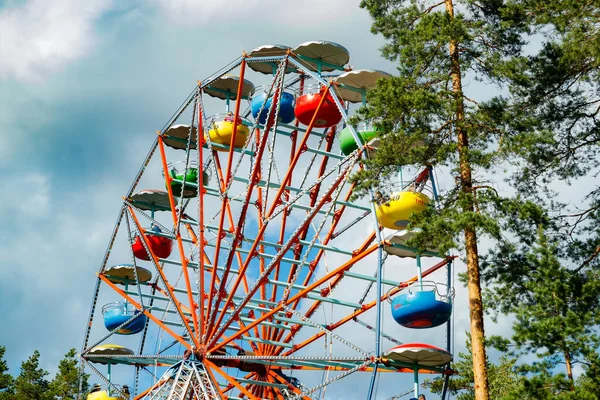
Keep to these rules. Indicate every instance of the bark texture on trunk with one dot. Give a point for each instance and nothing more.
(569, 368)
(473, 284)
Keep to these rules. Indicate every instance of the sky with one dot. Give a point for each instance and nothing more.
(83, 88)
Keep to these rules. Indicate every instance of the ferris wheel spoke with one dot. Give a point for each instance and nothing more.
(326, 291)
(329, 236)
(146, 312)
(313, 198)
(301, 149)
(367, 307)
(230, 380)
(238, 230)
(292, 240)
(297, 296)
(200, 237)
(277, 334)
(230, 386)
(274, 393)
(338, 377)
(184, 260)
(217, 387)
(322, 294)
(165, 281)
(226, 182)
(260, 218)
(146, 328)
(276, 378)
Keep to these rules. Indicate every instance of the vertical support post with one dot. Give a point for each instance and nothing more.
(449, 323)
(378, 300)
(416, 379)
(445, 387)
(108, 376)
(227, 101)
(419, 270)
(126, 288)
(433, 187)
(401, 178)
(448, 328)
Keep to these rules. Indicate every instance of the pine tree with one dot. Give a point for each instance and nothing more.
(6, 380)
(423, 115)
(31, 384)
(555, 125)
(65, 384)
(504, 380)
(556, 310)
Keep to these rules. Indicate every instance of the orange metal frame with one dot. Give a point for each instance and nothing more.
(163, 276)
(344, 267)
(184, 260)
(238, 229)
(365, 308)
(148, 314)
(237, 236)
(225, 200)
(230, 379)
(275, 260)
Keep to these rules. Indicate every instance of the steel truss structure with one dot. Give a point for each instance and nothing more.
(272, 239)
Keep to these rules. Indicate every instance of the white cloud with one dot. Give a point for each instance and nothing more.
(31, 196)
(39, 37)
(256, 12)
(38, 202)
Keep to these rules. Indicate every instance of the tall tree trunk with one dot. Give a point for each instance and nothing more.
(564, 347)
(569, 368)
(473, 284)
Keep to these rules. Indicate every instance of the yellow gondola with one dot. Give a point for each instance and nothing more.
(396, 213)
(222, 129)
(102, 395)
(98, 394)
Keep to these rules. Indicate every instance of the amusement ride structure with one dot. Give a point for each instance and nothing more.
(240, 265)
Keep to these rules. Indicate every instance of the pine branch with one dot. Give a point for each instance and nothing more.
(589, 260)
(426, 11)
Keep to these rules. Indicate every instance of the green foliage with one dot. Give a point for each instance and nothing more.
(31, 384)
(542, 128)
(556, 309)
(424, 117)
(6, 380)
(559, 91)
(504, 380)
(554, 105)
(417, 110)
(551, 284)
(65, 384)
(512, 379)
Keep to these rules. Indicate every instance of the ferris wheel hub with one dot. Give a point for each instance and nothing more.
(200, 353)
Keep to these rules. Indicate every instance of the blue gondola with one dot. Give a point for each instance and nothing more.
(286, 108)
(117, 313)
(421, 309)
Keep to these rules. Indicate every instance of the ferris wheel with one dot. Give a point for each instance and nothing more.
(240, 265)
